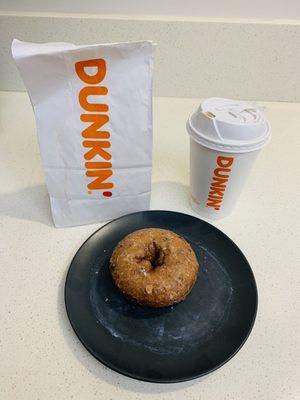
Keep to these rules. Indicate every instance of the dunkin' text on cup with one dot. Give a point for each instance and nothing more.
(219, 181)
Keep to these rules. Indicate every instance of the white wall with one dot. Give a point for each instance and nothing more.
(250, 61)
(261, 9)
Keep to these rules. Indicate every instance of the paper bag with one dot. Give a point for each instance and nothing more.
(93, 111)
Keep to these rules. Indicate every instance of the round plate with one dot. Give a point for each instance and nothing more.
(171, 344)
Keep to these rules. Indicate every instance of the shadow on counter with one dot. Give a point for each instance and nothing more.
(31, 203)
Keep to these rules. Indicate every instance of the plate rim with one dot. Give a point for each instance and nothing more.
(175, 380)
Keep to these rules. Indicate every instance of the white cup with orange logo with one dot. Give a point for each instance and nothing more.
(225, 139)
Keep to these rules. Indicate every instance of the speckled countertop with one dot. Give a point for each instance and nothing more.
(41, 357)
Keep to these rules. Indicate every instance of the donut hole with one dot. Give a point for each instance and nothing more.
(154, 255)
(158, 257)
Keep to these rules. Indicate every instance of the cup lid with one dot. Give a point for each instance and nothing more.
(229, 125)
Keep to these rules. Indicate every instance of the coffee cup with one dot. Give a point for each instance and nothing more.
(226, 137)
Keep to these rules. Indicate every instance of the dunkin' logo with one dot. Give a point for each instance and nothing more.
(96, 141)
(219, 182)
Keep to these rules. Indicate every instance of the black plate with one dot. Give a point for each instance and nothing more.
(171, 344)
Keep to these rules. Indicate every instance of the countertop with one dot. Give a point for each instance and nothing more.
(41, 358)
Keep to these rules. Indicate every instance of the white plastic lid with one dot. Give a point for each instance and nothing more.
(229, 125)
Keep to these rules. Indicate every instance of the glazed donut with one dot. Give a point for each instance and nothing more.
(154, 267)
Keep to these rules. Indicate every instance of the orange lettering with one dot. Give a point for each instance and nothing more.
(97, 120)
(100, 170)
(212, 197)
(218, 191)
(97, 165)
(101, 176)
(96, 149)
(219, 181)
(213, 202)
(99, 63)
(224, 161)
(92, 91)
(218, 171)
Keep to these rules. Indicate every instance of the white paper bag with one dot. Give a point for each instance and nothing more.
(93, 110)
